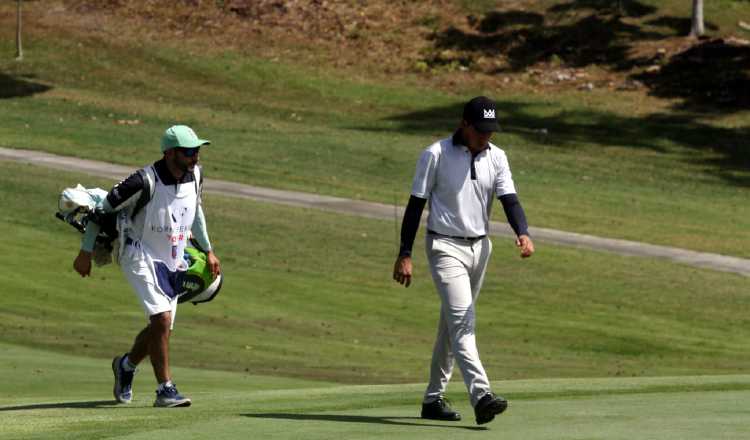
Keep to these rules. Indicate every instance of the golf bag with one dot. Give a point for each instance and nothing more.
(198, 282)
(77, 207)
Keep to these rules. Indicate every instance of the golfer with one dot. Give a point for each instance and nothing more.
(157, 207)
(460, 176)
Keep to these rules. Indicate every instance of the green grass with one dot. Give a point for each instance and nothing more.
(308, 294)
(310, 338)
(611, 164)
(61, 396)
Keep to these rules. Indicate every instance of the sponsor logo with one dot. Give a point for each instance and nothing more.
(191, 286)
(168, 229)
(181, 214)
(489, 114)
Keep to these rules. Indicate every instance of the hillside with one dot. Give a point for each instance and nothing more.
(615, 125)
(538, 46)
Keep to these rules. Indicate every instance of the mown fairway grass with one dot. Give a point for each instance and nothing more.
(611, 164)
(308, 294)
(60, 396)
(310, 338)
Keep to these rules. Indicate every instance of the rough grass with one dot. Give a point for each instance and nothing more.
(308, 294)
(595, 163)
(309, 299)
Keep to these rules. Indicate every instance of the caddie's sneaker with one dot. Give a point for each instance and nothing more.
(488, 407)
(439, 410)
(123, 389)
(169, 397)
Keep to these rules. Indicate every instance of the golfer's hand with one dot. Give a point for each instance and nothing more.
(526, 245)
(402, 271)
(213, 264)
(82, 263)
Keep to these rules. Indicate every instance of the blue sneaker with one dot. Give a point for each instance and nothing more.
(123, 390)
(169, 397)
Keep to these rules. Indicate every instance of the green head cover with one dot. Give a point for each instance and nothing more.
(198, 275)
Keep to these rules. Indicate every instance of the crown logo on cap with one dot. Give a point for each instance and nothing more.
(489, 114)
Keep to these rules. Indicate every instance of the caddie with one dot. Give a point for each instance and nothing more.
(460, 176)
(157, 207)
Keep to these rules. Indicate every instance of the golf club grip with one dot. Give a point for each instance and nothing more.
(73, 223)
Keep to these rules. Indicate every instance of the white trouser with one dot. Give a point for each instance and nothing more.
(457, 268)
(139, 272)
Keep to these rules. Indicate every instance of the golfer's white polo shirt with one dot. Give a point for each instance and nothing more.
(459, 204)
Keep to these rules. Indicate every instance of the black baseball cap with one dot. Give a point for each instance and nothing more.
(481, 113)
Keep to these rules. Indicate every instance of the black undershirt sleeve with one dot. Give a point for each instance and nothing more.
(514, 212)
(124, 191)
(410, 225)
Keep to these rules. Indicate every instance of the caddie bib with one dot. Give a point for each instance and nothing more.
(168, 219)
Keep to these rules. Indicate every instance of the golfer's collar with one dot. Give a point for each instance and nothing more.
(458, 141)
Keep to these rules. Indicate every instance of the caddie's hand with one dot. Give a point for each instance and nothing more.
(527, 246)
(213, 264)
(402, 271)
(82, 263)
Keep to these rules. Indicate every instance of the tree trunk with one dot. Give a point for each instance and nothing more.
(696, 27)
(19, 47)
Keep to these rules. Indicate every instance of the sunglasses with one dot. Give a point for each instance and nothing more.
(188, 152)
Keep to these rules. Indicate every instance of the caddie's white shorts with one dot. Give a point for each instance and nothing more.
(139, 271)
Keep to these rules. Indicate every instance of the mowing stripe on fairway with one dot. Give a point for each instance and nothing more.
(57, 396)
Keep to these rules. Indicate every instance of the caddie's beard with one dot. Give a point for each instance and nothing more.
(185, 166)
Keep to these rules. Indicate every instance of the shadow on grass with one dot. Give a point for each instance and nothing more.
(18, 87)
(60, 405)
(632, 8)
(402, 421)
(708, 77)
(579, 33)
(722, 150)
(711, 74)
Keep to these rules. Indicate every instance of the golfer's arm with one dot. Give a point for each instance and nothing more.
(410, 225)
(200, 233)
(514, 213)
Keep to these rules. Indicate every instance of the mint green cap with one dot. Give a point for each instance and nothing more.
(181, 136)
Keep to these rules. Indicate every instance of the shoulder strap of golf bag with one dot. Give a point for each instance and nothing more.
(197, 176)
(149, 177)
